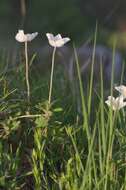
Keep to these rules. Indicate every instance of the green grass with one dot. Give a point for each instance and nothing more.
(52, 148)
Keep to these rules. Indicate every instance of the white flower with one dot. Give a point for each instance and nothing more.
(21, 37)
(122, 90)
(115, 103)
(57, 41)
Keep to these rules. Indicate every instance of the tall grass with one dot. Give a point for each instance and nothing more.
(52, 149)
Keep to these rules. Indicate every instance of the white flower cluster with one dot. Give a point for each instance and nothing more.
(55, 41)
(117, 103)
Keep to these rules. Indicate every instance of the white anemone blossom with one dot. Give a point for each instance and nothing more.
(115, 103)
(122, 90)
(21, 37)
(56, 41)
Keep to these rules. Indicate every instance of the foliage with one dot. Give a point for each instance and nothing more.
(51, 146)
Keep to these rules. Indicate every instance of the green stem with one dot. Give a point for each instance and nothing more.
(51, 77)
(110, 146)
(27, 73)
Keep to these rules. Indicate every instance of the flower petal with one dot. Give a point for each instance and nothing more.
(108, 102)
(50, 36)
(66, 40)
(111, 98)
(31, 36)
(122, 90)
(61, 42)
(58, 37)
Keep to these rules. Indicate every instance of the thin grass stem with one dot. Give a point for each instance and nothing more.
(84, 111)
(92, 72)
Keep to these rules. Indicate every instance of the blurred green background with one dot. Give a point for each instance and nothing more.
(73, 18)
(43, 16)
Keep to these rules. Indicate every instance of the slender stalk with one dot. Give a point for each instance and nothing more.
(51, 77)
(92, 71)
(27, 72)
(84, 111)
(27, 116)
(111, 136)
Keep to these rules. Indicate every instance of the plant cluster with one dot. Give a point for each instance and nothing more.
(46, 145)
